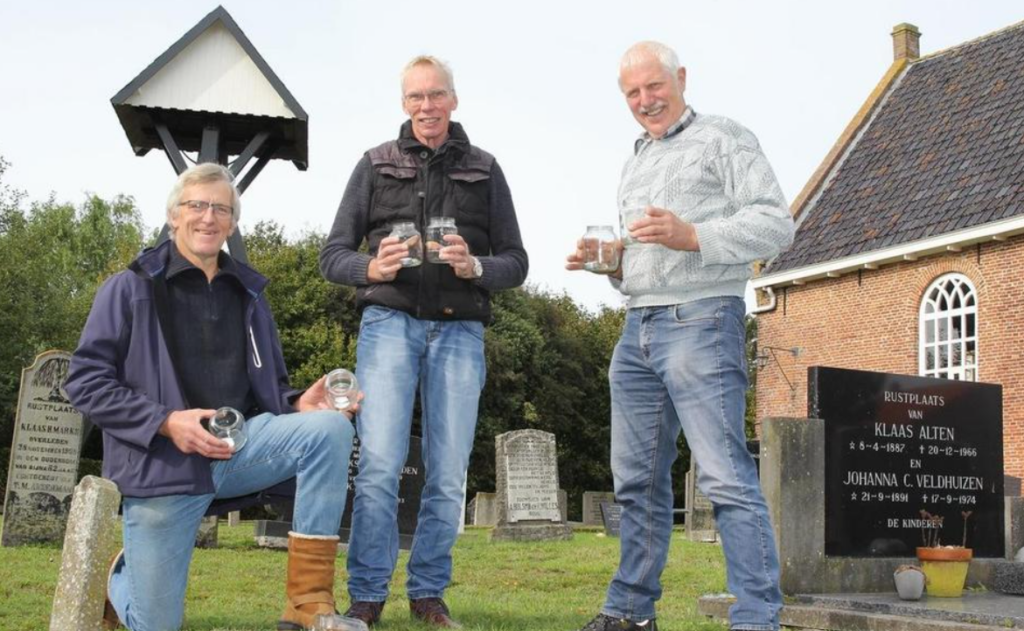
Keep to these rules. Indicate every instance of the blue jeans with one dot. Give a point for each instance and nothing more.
(147, 587)
(683, 367)
(397, 353)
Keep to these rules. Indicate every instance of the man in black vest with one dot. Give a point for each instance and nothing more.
(422, 327)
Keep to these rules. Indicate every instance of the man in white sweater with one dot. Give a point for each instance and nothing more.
(699, 204)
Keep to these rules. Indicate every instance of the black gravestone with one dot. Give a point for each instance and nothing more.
(410, 488)
(611, 515)
(896, 446)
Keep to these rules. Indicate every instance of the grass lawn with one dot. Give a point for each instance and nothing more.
(555, 586)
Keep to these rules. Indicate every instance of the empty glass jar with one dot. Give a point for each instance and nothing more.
(631, 208)
(436, 231)
(335, 622)
(600, 249)
(408, 234)
(228, 424)
(342, 389)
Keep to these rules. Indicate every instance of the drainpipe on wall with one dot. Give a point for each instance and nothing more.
(768, 307)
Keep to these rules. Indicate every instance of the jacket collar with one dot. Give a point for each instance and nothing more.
(456, 140)
(154, 262)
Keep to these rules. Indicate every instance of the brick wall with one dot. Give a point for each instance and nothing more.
(870, 322)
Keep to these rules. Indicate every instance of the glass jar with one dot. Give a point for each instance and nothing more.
(341, 389)
(228, 424)
(631, 208)
(408, 234)
(437, 230)
(600, 249)
(335, 622)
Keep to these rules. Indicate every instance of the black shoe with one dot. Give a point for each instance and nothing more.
(368, 612)
(608, 623)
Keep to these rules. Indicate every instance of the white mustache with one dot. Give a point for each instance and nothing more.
(653, 107)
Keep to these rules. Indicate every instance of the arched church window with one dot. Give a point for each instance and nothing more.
(948, 324)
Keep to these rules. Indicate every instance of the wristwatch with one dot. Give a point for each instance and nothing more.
(478, 268)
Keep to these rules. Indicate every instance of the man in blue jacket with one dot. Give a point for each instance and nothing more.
(185, 330)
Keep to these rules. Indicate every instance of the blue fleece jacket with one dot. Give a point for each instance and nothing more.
(122, 378)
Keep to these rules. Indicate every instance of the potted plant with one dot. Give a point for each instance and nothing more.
(945, 567)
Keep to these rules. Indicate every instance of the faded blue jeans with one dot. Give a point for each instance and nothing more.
(397, 353)
(683, 367)
(147, 587)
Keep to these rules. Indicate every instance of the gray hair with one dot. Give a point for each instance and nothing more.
(204, 173)
(643, 51)
(429, 60)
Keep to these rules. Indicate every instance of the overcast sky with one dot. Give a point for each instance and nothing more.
(536, 82)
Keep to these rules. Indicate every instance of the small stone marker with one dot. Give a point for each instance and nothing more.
(592, 501)
(89, 545)
(527, 480)
(234, 518)
(611, 515)
(44, 455)
(700, 515)
(206, 537)
(485, 509)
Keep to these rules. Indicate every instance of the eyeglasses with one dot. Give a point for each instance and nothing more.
(198, 208)
(416, 98)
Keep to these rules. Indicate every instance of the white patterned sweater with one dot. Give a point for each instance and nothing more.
(711, 174)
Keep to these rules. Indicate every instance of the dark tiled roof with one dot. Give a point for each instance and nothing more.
(944, 151)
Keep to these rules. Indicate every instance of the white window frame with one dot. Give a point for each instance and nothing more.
(944, 350)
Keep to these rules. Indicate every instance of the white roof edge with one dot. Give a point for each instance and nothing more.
(969, 236)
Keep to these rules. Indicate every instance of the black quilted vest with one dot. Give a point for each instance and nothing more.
(414, 183)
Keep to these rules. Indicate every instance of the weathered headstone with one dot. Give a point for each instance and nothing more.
(611, 515)
(206, 537)
(592, 501)
(234, 518)
(44, 455)
(274, 534)
(485, 509)
(89, 544)
(527, 480)
(700, 514)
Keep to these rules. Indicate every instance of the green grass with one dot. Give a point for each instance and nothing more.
(555, 586)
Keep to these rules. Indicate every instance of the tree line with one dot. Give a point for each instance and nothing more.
(547, 357)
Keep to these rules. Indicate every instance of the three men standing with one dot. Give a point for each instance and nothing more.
(708, 206)
(422, 330)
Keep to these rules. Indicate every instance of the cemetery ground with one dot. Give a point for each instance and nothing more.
(549, 586)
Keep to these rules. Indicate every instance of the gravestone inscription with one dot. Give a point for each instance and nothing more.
(44, 458)
(899, 448)
(527, 481)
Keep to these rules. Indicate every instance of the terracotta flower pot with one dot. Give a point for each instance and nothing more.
(945, 569)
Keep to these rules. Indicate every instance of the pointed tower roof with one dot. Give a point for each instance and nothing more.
(213, 75)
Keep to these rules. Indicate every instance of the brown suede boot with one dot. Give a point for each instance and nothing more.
(310, 587)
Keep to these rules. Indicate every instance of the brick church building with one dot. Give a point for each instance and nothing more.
(909, 251)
